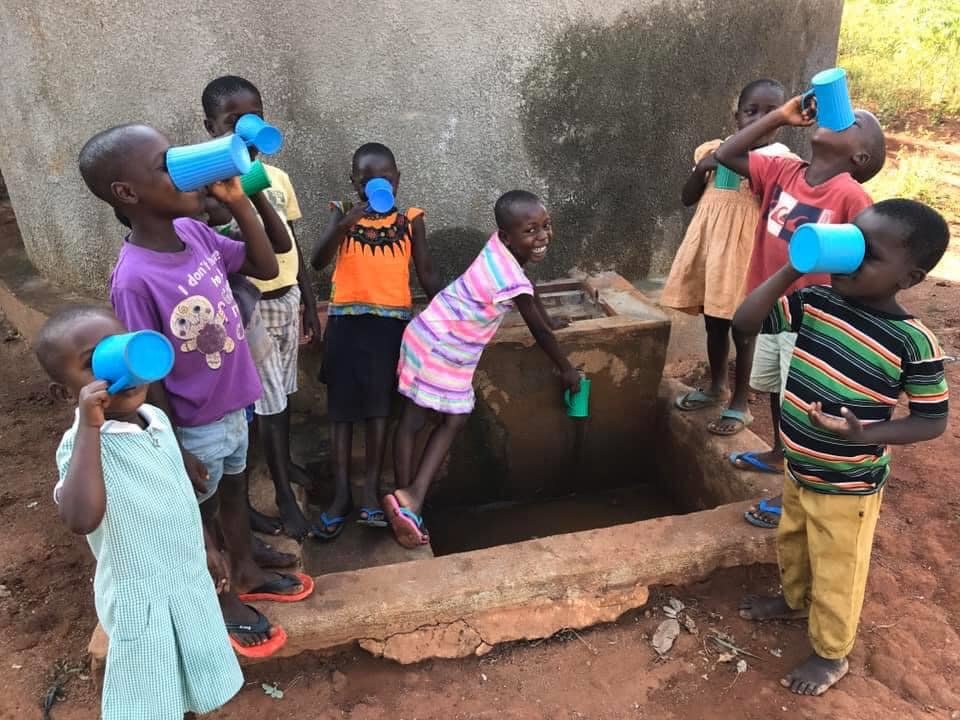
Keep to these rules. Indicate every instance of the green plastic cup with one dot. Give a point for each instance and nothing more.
(255, 179)
(578, 404)
(726, 179)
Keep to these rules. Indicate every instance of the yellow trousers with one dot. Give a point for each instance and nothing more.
(823, 547)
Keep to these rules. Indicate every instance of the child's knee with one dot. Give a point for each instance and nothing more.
(715, 325)
(456, 422)
(413, 417)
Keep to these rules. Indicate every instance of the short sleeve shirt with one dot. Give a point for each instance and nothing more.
(788, 201)
(851, 356)
(185, 296)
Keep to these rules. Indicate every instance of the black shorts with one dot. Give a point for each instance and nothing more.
(359, 367)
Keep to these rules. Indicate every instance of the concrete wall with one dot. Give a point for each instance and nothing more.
(596, 105)
(519, 443)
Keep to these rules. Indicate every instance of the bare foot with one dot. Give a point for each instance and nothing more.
(757, 608)
(266, 557)
(264, 523)
(816, 675)
(295, 525)
(299, 476)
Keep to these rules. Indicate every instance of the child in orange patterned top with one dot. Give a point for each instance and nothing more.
(370, 304)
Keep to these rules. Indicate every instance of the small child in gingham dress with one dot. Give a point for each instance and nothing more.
(123, 484)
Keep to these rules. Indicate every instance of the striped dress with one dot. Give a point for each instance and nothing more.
(442, 346)
(169, 652)
(855, 357)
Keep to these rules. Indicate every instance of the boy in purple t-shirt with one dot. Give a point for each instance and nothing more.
(171, 277)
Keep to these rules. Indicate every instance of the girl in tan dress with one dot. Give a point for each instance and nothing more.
(710, 268)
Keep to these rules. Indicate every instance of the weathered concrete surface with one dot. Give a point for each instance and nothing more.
(597, 106)
(460, 605)
(693, 463)
(358, 547)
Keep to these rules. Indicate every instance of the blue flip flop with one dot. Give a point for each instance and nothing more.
(765, 507)
(750, 458)
(321, 530)
(375, 517)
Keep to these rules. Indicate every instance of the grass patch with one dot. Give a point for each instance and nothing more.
(919, 176)
(903, 56)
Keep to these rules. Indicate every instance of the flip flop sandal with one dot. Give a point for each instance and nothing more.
(278, 638)
(273, 591)
(696, 400)
(322, 532)
(741, 416)
(401, 517)
(765, 507)
(754, 463)
(375, 517)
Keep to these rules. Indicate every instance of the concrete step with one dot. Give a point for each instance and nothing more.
(357, 547)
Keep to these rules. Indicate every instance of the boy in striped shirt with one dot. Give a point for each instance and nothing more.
(857, 351)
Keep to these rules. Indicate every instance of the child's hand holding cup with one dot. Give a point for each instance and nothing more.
(229, 191)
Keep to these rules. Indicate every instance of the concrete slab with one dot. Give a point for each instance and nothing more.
(358, 547)
(695, 463)
(459, 605)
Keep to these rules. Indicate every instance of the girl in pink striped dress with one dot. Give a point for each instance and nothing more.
(442, 346)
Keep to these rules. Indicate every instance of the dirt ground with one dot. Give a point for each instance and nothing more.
(904, 664)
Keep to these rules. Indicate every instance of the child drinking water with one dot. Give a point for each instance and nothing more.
(709, 271)
(826, 190)
(442, 346)
(857, 351)
(370, 304)
(123, 485)
(171, 277)
(285, 303)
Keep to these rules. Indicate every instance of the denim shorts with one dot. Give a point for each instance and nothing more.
(220, 445)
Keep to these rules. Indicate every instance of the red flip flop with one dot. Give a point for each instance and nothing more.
(278, 638)
(269, 591)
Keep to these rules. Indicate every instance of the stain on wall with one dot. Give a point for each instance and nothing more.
(596, 106)
(611, 113)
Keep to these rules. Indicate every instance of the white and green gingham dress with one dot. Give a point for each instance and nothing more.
(169, 652)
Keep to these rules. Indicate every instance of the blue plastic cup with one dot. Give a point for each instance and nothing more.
(258, 132)
(834, 109)
(192, 167)
(379, 194)
(132, 359)
(835, 249)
